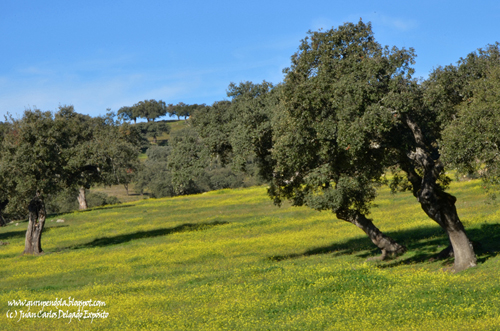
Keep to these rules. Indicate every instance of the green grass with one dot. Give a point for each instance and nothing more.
(230, 260)
(120, 192)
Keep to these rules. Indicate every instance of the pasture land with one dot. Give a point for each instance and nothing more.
(231, 260)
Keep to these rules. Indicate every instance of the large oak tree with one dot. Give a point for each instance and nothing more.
(349, 109)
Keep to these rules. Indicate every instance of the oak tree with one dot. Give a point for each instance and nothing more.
(349, 110)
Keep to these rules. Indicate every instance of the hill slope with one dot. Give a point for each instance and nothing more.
(231, 260)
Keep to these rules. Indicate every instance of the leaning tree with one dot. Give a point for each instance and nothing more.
(248, 126)
(330, 131)
(348, 111)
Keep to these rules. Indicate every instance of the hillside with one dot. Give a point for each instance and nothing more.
(118, 190)
(231, 260)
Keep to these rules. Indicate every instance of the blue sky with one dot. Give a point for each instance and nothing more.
(108, 54)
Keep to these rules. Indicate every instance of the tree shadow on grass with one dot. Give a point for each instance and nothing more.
(423, 245)
(56, 215)
(104, 207)
(22, 233)
(106, 241)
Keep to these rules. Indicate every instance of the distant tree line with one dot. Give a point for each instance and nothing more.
(152, 110)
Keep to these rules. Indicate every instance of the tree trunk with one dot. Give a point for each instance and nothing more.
(440, 206)
(33, 241)
(389, 247)
(126, 188)
(437, 204)
(2, 220)
(2, 206)
(82, 199)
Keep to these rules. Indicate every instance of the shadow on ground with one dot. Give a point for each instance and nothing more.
(22, 233)
(104, 207)
(106, 241)
(423, 245)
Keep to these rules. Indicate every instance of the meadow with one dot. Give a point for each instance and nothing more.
(231, 260)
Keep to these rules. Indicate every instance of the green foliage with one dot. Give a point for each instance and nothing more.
(148, 109)
(471, 140)
(214, 125)
(45, 153)
(155, 175)
(65, 201)
(331, 129)
(187, 161)
(128, 113)
(183, 167)
(184, 110)
(450, 86)
(99, 199)
(33, 158)
(238, 131)
(152, 129)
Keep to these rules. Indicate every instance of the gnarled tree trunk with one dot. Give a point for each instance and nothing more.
(437, 204)
(2, 220)
(389, 247)
(33, 241)
(82, 199)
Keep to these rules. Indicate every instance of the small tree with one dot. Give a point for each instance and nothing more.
(128, 113)
(150, 109)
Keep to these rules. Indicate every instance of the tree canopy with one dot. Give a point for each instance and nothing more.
(471, 137)
(148, 109)
(355, 111)
(45, 153)
(330, 127)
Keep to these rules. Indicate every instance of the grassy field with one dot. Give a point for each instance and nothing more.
(230, 260)
(120, 192)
